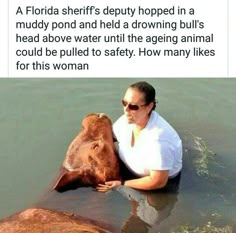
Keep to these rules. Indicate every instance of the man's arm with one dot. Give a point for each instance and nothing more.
(156, 180)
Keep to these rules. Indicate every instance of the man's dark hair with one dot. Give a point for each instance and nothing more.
(148, 90)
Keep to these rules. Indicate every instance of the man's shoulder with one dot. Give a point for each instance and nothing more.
(120, 124)
(120, 120)
(162, 128)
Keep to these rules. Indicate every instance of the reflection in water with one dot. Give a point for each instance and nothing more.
(149, 208)
(143, 210)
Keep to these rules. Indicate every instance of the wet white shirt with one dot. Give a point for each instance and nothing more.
(157, 148)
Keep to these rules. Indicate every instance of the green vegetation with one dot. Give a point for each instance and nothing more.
(204, 158)
(209, 227)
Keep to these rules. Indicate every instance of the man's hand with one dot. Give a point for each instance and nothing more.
(109, 185)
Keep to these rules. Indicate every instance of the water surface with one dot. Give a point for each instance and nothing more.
(40, 117)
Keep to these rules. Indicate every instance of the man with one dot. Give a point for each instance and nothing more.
(148, 145)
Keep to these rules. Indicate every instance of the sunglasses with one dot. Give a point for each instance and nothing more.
(133, 107)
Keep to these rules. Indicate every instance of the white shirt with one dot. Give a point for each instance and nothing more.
(157, 148)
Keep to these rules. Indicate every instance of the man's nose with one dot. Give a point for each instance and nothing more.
(126, 108)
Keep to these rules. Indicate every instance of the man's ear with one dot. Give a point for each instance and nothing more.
(150, 106)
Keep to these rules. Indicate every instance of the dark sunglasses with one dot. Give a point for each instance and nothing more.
(133, 107)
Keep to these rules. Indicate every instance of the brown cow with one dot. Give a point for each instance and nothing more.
(39, 220)
(91, 158)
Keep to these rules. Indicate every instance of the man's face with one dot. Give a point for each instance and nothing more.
(135, 107)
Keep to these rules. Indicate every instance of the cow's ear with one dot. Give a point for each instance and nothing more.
(68, 180)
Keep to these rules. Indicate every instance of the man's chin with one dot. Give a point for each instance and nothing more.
(129, 120)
